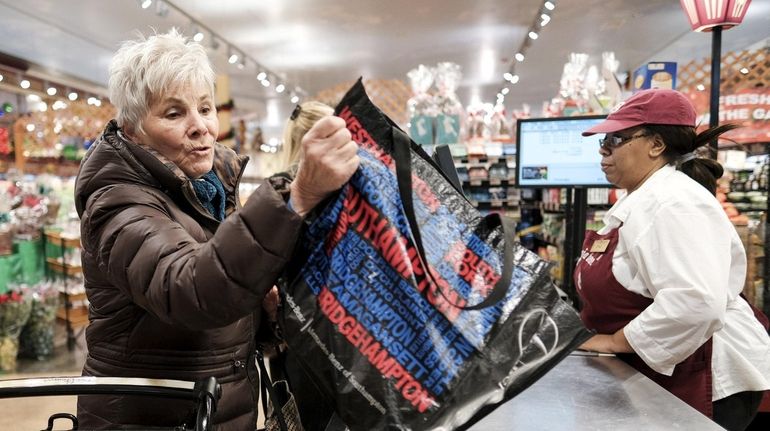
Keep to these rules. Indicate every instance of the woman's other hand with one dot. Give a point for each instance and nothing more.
(328, 159)
(270, 304)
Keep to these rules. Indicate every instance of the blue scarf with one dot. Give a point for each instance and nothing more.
(211, 193)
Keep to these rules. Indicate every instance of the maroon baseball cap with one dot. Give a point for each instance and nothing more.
(657, 106)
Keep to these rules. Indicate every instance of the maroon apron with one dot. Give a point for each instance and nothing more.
(608, 307)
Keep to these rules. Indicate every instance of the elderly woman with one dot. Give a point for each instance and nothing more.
(661, 282)
(175, 269)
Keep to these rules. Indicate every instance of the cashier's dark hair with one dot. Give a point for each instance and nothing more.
(681, 140)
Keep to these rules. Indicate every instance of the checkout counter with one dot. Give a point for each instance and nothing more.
(586, 391)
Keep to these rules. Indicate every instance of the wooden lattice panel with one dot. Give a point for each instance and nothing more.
(744, 93)
(390, 95)
(698, 72)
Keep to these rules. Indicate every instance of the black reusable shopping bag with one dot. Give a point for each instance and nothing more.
(411, 310)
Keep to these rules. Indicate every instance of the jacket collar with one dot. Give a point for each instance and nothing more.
(131, 162)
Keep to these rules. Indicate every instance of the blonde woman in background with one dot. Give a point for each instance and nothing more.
(301, 120)
(314, 410)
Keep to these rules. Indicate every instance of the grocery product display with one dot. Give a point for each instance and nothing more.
(32, 208)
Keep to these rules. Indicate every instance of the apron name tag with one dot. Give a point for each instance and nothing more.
(599, 246)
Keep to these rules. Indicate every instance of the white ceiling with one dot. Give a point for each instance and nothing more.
(318, 44)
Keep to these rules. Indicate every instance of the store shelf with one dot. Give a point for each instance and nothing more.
(470, 160)
(58, 166)
(495, 204)
(489, 182)
(61, 268)
(73, 311)
(78, 316)
(60, 239)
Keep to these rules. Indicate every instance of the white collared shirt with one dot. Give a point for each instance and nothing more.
(677, 246)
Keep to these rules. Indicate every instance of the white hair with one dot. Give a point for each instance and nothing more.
(144, 69)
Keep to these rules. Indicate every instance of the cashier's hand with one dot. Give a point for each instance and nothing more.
(606, 343)
(328, 158)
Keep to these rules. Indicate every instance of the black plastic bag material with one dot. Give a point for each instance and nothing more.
(409, 309)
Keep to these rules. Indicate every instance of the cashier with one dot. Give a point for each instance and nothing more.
(660, 283)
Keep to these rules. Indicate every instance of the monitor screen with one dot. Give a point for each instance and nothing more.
(551, 152)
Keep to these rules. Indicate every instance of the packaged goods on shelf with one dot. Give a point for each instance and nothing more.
(421, 107)
(498, 171)
(597, 196)
(447, 77)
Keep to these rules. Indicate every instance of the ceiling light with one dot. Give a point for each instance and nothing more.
(294, 99)
(72, 96)
(549, 5)
(279, 88)
(487, 63)
(745, 71)
(261, 76)
(1, 76)
(700, 87)
(505, 91)
(265, 83)
(51, 91)
(514, 79)
(30, 127)
(146, 4)
(519, 56)
(91, 100)
(233, 58)
(545, 19)
(24, 84)
(198, 36)
(507, 76)
(532, 35)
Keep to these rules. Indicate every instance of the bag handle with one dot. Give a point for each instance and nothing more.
(402, 157)
(266, 385)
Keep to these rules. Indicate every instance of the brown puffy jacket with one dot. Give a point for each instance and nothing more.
(174, 294)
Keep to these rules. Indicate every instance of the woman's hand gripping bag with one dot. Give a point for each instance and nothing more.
(409, 309)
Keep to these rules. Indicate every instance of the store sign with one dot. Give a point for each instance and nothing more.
(749, 108)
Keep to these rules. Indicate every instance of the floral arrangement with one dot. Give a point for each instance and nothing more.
(14, 313)
(36, 339)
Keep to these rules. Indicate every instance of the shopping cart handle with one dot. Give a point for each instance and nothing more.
(205, 392)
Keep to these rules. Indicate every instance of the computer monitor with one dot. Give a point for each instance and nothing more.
(551, 152)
